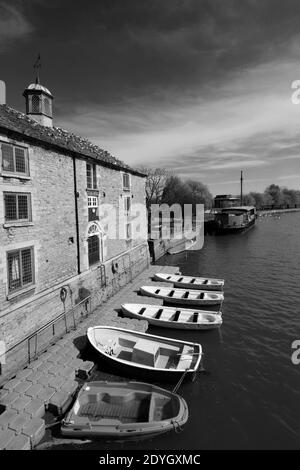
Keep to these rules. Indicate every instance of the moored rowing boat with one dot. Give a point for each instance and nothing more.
(124, 410)
(190, 282)
(144, 354)
(171, 317)
(183, 296)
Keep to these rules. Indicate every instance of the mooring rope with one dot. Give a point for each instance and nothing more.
(180, 381)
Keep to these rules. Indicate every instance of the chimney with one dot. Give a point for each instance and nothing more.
(2, 92)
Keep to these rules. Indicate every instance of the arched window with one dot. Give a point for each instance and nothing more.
(35, 104)
(95, 244)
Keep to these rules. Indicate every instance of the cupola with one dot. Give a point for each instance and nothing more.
(39, 100)
(39, 103)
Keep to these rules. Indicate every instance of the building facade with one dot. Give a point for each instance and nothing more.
(55, 188)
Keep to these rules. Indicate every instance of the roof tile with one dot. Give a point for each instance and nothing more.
(16, 121)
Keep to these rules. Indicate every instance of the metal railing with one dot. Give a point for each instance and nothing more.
(32, 346)
(29, 348)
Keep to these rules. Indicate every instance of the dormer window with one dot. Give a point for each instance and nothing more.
(126, 182)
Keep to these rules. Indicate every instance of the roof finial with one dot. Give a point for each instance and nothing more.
(37, 66)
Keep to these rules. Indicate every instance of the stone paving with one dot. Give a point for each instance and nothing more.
(50, 382)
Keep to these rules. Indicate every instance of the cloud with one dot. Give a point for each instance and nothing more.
(13, 25)
(202, 88)
(252, 111)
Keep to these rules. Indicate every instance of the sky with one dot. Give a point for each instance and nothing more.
(202, 88)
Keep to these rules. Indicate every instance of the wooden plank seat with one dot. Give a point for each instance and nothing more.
(186, 358)
(136, 410)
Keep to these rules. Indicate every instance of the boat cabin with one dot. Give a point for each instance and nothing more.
(236, 217)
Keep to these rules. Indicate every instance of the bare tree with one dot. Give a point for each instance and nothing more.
(155, 184)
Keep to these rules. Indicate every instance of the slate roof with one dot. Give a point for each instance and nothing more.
(18, 122)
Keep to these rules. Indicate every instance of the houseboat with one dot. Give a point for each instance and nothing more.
(235, 219)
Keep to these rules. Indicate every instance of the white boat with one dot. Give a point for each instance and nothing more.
(183, 296)
(189, 282)
(124, 410)
(183, 245)
(171, 317)
(144, 354)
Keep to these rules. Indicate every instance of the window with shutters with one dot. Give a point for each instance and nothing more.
(20, 269)
(126, 181)
(17, 207)
(14, 159)
(91, 176)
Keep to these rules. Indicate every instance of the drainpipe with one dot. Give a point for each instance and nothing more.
(76, 195)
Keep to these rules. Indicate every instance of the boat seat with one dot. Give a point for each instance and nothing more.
(125, 413)
(162, 362)
(186, 357)
(145, 352)
(164, 316)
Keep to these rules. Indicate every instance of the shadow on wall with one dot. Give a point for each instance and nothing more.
(83, 293)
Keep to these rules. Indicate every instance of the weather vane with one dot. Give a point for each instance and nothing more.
(37, 66)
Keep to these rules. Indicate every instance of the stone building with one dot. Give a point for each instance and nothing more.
(53, 234)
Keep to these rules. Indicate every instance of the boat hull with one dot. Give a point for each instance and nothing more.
(184, 301)
(225, 230)
(123, 419)
(211, 285)
(187, 285)
(140, 371)
(174, 324)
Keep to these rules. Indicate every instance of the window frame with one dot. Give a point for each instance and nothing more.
(29, 207)
(26, 286)
(127, 211)
(93, 202)
(15, 173)
(126, 188)
(93, 170)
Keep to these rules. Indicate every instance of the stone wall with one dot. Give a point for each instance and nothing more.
(52, 234)
(47, 306)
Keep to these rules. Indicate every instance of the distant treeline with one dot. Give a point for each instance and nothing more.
(273, 197)
(165, 187)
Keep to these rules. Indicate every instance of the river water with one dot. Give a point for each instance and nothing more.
(249, 396)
